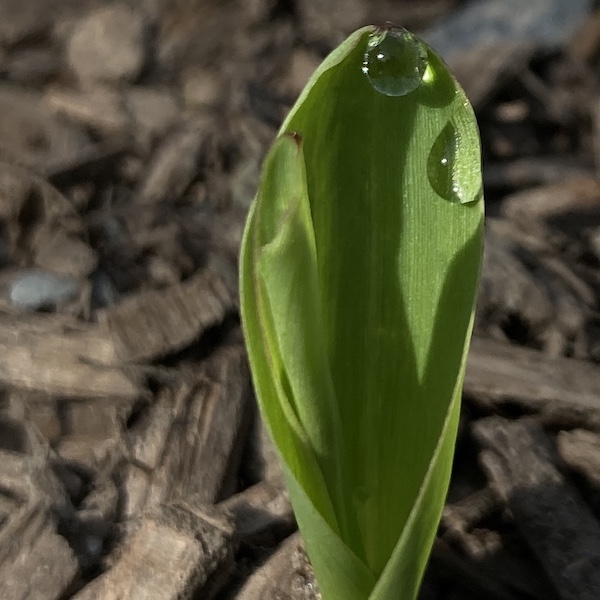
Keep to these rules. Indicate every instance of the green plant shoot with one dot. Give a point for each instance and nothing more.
(359, 271)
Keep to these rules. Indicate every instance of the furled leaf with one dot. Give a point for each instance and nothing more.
(359, 270)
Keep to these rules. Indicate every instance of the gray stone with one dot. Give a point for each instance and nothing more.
(35, 289)
(547, 23)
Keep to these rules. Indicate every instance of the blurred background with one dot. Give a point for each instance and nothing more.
(132, 461)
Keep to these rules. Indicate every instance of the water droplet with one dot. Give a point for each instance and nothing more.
(395, 61)
(444, 168)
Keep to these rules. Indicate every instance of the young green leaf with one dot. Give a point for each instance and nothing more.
(359, 270)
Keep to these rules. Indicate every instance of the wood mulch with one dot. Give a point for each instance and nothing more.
(132, 460)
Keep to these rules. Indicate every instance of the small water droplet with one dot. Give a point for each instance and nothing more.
(395, 61)
(444, 168)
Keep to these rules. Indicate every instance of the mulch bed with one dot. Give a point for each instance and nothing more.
(132, 460)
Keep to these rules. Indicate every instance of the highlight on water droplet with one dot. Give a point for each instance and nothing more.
(395, 61)
(445, 169)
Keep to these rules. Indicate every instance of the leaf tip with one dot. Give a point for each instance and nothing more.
(296, 136)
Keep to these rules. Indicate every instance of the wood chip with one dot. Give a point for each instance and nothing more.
(330, 20)
(41, 566)
(208, 437)
(475, 578)
(188, 444)
(483, 70)
(64, 254)
(534, 170)
(261, 458)
(467, 513)
(153, 112)
(573, 202)
(201, 87)
(135, 487)
(41, 353)
(32, 66)
(43, 413)
(175, 164)
(21, 20)
(580, 449)
(561, 390)
(15, 189)
(99, 420)
(585, 46)
(25, 473)
(262, 513)
(101, 503)
(108, 44)
(28, 202)
(170, 556)
(32, 134)
(529, 294)
(553, 518)
(93, 162)
(152, 324)
(148, 438)
(100, 108)
(90, 455)
(286, 575)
